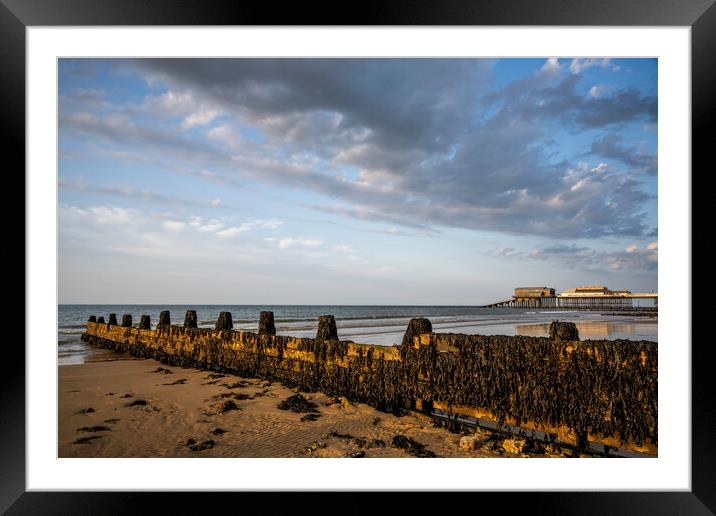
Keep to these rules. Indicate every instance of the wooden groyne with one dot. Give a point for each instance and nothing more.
(569, 391)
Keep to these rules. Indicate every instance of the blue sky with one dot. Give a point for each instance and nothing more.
(354, 181)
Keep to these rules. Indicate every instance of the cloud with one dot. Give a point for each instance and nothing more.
(416, 143)
(131, 192)
(287, 243)
(577, 66)
(632, 258)
(610, 146)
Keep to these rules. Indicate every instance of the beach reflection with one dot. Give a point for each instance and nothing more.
(646, 330)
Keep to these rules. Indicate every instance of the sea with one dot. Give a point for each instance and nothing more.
(383, 325)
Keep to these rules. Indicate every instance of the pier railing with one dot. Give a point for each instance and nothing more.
(574, 392)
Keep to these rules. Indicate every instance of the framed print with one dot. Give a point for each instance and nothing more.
(437, 233)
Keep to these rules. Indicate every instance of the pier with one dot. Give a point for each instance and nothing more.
(590, 297)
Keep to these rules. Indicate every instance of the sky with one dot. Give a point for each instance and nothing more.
(354, 181)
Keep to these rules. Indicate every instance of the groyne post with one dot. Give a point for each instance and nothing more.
(92, 318)
(190, 319)
(327, 329)
(145, 323)
(416, 327)
(127, 321)
(563, 331)
(164, 319)
(100, 320)
(224, 321)
(113, 319)
(266, 324)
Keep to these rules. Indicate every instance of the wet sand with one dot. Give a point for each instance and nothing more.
(142, 408)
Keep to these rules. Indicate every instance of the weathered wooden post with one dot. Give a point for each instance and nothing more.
(327, 329)
(224, 321)
(563, 331)
(190, 319)
(416, 327)
(92, 318)
(145, 323)
(266, 324)
(127, 321)
(100, 319)
(112, 319)
(164, 319)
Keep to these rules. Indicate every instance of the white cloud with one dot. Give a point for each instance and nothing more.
(289, 242)
(234, 230)
(174, 225)
(551, 65)
(202, 117)
(110, 215)
(596, 91)
(579, 65)
(602, 167)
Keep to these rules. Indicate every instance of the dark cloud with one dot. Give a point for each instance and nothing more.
(610, 147)
(529, 101)
(400, 141)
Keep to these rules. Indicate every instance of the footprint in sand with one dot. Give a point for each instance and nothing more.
(97, 428)
(181, 381)
(87, 440)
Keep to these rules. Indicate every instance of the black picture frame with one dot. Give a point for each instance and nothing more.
(700, 15)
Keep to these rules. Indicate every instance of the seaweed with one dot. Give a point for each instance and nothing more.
(605, 387)
(297, 403)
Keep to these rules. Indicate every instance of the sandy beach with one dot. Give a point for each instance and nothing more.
(142, 408)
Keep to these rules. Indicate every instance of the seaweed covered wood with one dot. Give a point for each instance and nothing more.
(190, 320)
(145, 323)
(164, 319)
(224, 321)
(266, 324)
(597, 387)
(327, 329)
(563, 331)
(416, 327)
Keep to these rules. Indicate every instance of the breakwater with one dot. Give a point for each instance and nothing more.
(576, 392)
